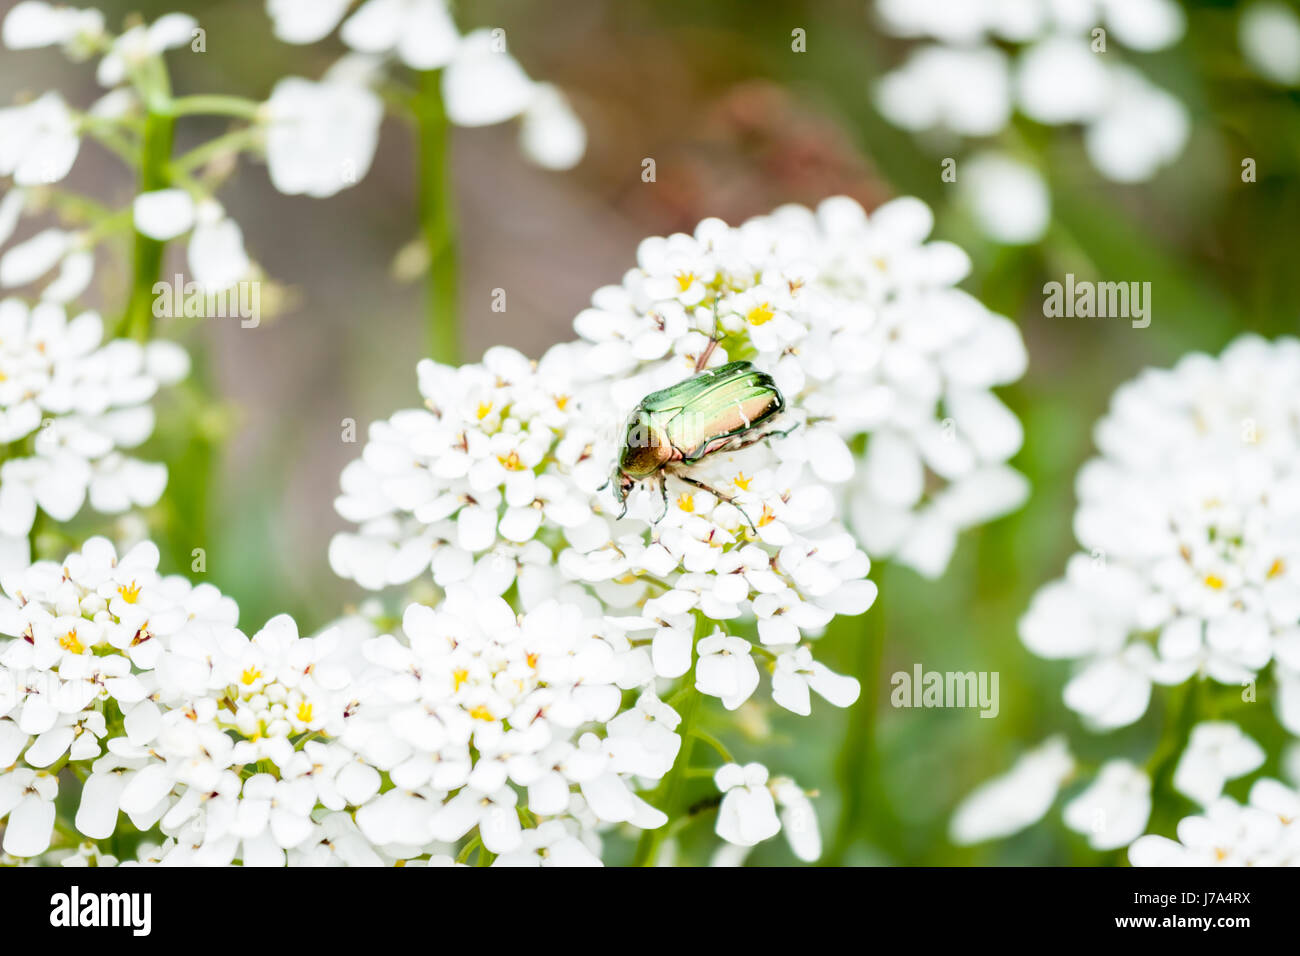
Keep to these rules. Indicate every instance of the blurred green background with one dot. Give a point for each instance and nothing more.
(737, 124)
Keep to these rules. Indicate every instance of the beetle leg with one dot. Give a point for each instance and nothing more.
(717, 494)
(663, 493)
(703, 360)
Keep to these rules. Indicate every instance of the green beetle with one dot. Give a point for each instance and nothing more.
(721, 409)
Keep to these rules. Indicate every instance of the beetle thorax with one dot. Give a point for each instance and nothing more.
(646, 448)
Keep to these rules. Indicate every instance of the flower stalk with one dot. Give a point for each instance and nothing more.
(438, 218)
(155, 157)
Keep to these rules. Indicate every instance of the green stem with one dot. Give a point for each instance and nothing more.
(668, 795)
(231, 142)
(865, 811)
(217, 105)
(438, 218)
(155, 154)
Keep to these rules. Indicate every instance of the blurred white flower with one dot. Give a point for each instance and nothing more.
(965, 91)
(142, 43)
(1017, 799)
(1008, 199)
(321, 137)
(1189, 565)
(1055, 74)
(78, 400)
(748, 812)
(1113, 811)
(32, 24)
(481, 83)
(39, 141)
(1216, 752)
(1269, 34)
(1264, 832)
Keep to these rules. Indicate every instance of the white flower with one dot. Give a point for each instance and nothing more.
(1262, 833)
(1269, 34)
(77, 400)
(1053, 74)
(1114, 810)
(164, 213)
(484, 84)
(142, 43)
(477, 707)
(39, 141)
(420, 32)
(1187, 570)
(748, 812)
(321, 137)
(1217, 751)
(797, 673)
(965, 91)
(1009, 199)
(1017, 799)
(481, 82)
(725, 669)
(305, 21)
(32, 24)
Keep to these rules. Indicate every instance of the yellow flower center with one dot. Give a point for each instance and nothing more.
(767, 517)
(561, 402)
(1279, 566)
(458, 677)
(741, 482)
(511, 462)
(686, 502)
(484, 410)
(304, 712)
(759, 314)
(130, 592)
(684, 280)
(1214, 581)
(250, 675)
(69, 642)
(481, 713)
(532, 661)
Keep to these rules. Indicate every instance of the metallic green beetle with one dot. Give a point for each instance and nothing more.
(722, 409)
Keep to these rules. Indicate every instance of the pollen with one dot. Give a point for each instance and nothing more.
(686, 502)
(1214, 581)
(130, 592)
(684, 280)
(1278, 568)
(759, 314)
(484, 410)
(70, 643)
(481, 713)
(741, 482)
(304, 711)
(250, 676)
(458, 677)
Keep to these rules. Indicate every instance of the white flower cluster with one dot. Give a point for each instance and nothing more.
(1263, 832)
(482, 84)
(858, 320)
(1061, 71)
(69, 403)
(42, 139)
(1190, 565)
(478, 706)
(143, 687)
